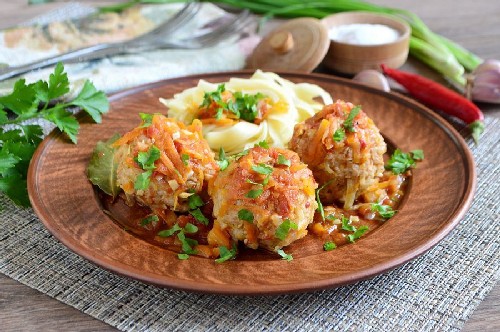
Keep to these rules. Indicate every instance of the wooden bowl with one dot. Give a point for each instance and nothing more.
(352, 58)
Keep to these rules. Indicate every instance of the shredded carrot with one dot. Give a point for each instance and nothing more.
(134, 133)
(317, 152)
(205, 251)
(251, 231)
(218, 237)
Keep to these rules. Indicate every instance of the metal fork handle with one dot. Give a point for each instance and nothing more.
(87, 53)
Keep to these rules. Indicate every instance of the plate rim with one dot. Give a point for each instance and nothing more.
(274, 289)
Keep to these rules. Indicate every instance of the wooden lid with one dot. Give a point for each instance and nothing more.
(298, 45)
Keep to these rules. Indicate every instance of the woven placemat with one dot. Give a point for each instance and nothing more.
(437, 291)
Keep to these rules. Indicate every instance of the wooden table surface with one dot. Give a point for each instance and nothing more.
(474, 24)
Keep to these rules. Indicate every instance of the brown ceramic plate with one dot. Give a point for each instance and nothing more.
(440, 193)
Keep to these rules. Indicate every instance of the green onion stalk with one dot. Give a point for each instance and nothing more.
(443, 55)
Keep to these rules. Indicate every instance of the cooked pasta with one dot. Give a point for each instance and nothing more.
(283, 105)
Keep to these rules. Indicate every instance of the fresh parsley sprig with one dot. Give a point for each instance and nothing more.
(39, 100)
(401, 161)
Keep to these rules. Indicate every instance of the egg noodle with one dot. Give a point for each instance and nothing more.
(291, 103)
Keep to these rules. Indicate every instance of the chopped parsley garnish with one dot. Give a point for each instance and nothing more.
(262, 169)
(185, 158)
(349, 122)
(226, 254)
(339, 135)
(242, 106)
(149, 219)
(142, 180)
(222, 162)
(283, 161)
(247, 105)
(331, 217)
(400, 161)
(182, 256)
(328, 246)
(246, 215)
(346, 225)
(262, 144)
(146, 161)
(187, 243)
(284, 228)
(385, 211)
(198, 215)
(357, 234)
(214, 96)
(417, 154)
(147, 119)
(254, 193)
(284, 255)
(320, 205)
(195, 201)
(194, 204)
(190, 228)
(170, 232)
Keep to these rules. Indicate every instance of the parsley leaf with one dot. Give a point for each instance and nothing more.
(349, 122)
(92, 101)
(58, 83)
(339, 135)
(284, 255)
(214, 96)
(142, 180)
(170, 232)
(149, 219)
(357, 234)
(146, 160)
(284, 228)
(262, 144)
(417, 154)
(182, 256)
(195, 201)
(23, 100)
(283, 161)
(346, 225)
(21, 141)
(222, 162)
(185, 159)
(226, 254)
(65, 121)
(198, 215)
(385, 211)
(320, 205)
(246, 215)
(400, 161)
(190, 228)
(147, 119)
(254, 193)
(187, 243)
(262, 169)
(328, 246)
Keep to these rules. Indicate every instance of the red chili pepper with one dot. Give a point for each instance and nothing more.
(437, 96)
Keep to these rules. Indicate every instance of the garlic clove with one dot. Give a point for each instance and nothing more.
(487, 65)
(372, 78)
(486, 82)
